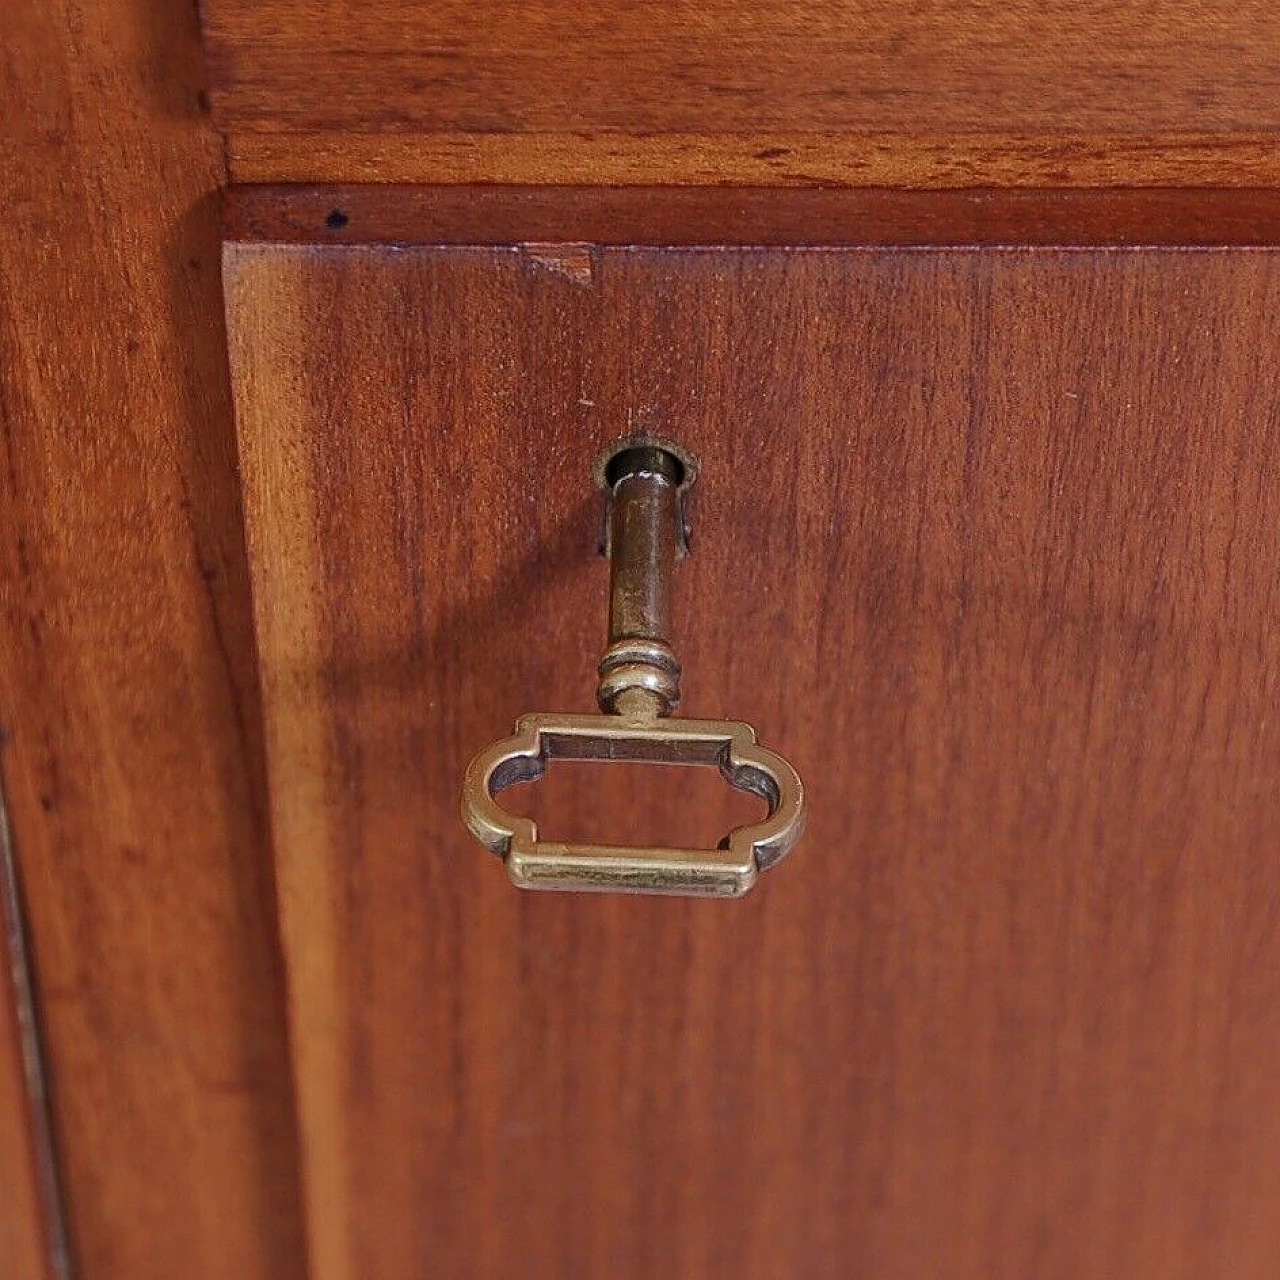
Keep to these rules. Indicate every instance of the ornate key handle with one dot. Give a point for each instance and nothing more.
(639, 688)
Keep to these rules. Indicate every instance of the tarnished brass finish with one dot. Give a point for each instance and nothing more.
(639, 668)
(639, 686)
(727, 745)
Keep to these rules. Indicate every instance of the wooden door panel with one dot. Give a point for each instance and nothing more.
(987, 541)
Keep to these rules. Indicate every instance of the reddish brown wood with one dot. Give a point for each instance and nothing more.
(987, 541)
(380, 214)
(763, 157)
(864, 92)
(30, 1218)
(793, 64)
(131, 742)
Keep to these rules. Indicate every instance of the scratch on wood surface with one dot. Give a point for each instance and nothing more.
(573, 261)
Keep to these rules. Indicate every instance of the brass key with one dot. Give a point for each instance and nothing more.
(639, 687)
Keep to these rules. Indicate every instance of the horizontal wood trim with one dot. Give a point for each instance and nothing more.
(424, 66)
(766, 158)
(855, 92)
(372, 214)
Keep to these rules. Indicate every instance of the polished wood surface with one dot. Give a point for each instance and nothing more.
(373, 214)
(802, 64)
(30, 1219)
(987, 541)
(866, 92)
(131, 742)
(24, 1243)
(932, 160)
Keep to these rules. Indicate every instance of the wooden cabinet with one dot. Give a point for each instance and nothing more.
(970, 321)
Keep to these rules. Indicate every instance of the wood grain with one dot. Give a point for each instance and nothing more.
(863, 92)
(131, 742)
(804, 65)
(375, 214)
(934, 160)
(988, 542)
(31, 1231)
